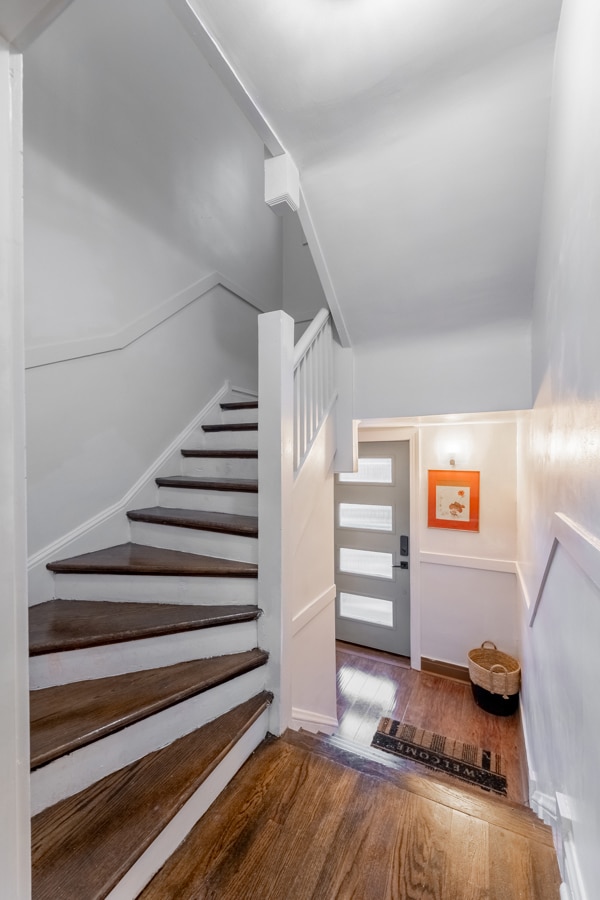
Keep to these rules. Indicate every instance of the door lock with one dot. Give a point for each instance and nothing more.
(403, 545)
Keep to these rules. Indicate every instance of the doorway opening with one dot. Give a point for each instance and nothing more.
(372, 549)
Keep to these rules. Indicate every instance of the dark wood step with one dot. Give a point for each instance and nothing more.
(220, 454)
(70, 716)
(240, 404)
(409, 776)
(199, 520)
(138, 559)
(83, 845)
(60, 625)
(244, 485)
(231, 426)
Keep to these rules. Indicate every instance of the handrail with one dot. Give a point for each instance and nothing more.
(310, 335)
(314, 384)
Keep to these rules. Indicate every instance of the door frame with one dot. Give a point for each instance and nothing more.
(371, 433)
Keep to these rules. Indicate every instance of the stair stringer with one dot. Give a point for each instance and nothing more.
(155, 856)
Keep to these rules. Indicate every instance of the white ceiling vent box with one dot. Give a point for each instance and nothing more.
(282, 184)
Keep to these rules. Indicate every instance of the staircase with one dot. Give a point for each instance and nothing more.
(149, 689)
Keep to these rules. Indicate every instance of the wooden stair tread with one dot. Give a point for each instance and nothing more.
(60, 625)
(231, 426)
(445, 791)
(200, 520)
(240, 404)
(70, 716)
(139, 559)
(244, 485)
(83, 845)
(220, 454)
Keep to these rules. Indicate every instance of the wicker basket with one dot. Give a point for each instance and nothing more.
(494, 671)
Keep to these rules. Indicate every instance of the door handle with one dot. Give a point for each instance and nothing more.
(403, 545)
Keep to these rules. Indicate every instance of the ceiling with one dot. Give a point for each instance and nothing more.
(419, 127)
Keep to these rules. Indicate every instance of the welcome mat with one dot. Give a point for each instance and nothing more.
(465, 761)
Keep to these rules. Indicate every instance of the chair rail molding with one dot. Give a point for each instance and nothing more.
(48, 354)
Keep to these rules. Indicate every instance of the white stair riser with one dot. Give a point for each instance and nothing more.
(172, 836)
(229, 416)
(191, 540)
(219, 467)
(156, 588)
(241, 502)
(230, 440)
(77, 770)
(69, 666)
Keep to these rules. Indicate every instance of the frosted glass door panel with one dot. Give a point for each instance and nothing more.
(370, 471)
(366, 562)
(366, 516)
(367, 609)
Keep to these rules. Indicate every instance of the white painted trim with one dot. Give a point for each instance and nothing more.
(312, 609)
(580, 544)
(107, 343)
(568, 861)
(468, 562)
(190, 18)
(275, 476)
(326, 413)
(15, 863)
(38, 23)
(312, 721)
(323, 271)
(310, 335)
(155, 856)
(239, 390)
(50, 551)
(413, 438)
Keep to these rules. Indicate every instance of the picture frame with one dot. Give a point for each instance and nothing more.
(453, 499)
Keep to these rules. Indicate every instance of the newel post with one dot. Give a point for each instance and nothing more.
(275, 476)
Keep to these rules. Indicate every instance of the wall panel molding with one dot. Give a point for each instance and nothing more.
(312, 609)
(581, 545)
(468, 562)
(48, 354)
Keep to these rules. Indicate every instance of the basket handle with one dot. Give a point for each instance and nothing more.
(503, 669)
(491, 643)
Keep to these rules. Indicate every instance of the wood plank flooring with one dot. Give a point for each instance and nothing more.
(373, 684)
(294, 825)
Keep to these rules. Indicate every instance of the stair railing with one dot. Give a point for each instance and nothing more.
(314, 387)
(296, 388)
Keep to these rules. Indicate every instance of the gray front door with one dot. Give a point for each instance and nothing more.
(371, 536)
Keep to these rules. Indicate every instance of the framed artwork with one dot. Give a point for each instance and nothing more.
(453, 500)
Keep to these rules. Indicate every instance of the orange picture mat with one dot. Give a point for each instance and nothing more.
(453, 500)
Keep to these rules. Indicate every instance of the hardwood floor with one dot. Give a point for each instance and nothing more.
(372, 684)
(309, 818)
(296, 825)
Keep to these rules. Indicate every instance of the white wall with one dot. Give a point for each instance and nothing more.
(466, 580)
(141, 178)
(462, 606)
(313, 588)
(483, 369)
(560, 460)
(303, 295)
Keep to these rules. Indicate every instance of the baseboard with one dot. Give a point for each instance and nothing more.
(110, 525)
(312, 721)
(445, 669)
